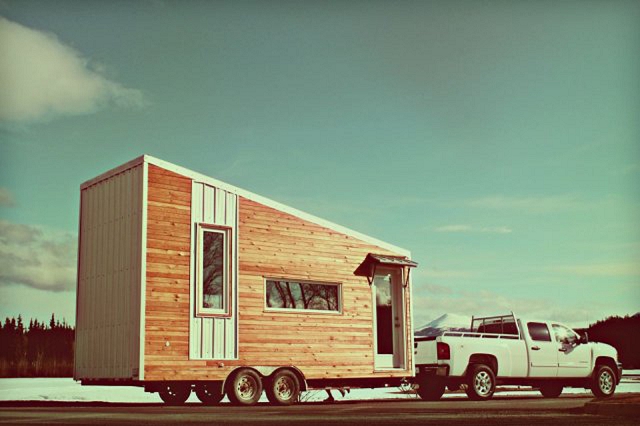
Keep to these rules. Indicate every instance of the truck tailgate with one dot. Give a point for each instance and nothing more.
(426, 350)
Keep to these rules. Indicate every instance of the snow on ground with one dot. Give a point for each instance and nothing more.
(65, 389)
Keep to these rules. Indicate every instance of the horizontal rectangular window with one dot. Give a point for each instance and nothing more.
(302, 296)
(213, 270)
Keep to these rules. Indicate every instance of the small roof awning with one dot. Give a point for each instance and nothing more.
(373, 261)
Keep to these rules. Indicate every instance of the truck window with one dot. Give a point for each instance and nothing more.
(564, 334)
(539, 331)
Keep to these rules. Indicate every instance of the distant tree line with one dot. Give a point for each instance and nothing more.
(46, 350)
(623, 333)
(36, 350)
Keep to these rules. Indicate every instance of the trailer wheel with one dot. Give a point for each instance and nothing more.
(430, 388)
(603, 383)
(245, 387)
(551, 390)
(210, 393)
(175, 394)
(283, 388)
(481, 382)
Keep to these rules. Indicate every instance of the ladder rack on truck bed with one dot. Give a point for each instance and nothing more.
(471, 334)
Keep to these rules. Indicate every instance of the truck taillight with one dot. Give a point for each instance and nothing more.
(443, 351)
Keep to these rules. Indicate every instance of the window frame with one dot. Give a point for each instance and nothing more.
(302, 311)
(227, 242)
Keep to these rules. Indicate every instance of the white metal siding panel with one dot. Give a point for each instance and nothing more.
(141, 301)
(212, 338)
(109, 272)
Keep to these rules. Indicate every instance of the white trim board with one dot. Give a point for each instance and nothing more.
(248, 195)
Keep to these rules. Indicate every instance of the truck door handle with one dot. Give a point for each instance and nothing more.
(535, 348)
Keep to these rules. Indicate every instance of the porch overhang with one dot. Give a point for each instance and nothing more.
(373, 261)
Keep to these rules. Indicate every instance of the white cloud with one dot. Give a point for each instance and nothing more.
(469, 228)
(37, 257)
(619, 269)
(6, 198)
(429, 305)
(548, 204)
(453, 228)
(40, 78)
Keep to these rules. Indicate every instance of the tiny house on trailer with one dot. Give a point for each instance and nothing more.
(186, 283)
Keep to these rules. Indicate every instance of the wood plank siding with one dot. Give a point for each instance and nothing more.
(168, 271)
(271, 244)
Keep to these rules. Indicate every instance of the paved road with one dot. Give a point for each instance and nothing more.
(506, 410)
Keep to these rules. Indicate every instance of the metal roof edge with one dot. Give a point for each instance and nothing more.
(199, 177)
(119, 169)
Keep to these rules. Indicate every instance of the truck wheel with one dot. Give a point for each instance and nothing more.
(551, 390)
(210, 393)
(283, 388)
(481, 382)
(245, 387)
(175, 394)
(430, 388)
(603, 383)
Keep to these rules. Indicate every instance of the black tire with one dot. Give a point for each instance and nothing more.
(283, 388)
(175, 394)
(603, 382)
(430, 388)
(245, 387)
(551, 390)
(210, 393)
(481, 382)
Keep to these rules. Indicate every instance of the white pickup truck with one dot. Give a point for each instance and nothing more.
(512, 351)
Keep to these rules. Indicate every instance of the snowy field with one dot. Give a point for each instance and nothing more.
(65, 389)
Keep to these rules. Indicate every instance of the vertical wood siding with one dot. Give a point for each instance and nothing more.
(108, 292)
(213, 338)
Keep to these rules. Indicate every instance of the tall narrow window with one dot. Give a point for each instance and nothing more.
(213, 270)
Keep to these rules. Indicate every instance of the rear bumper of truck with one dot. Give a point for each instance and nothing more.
(433, 369)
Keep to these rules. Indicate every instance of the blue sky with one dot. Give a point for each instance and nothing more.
(498, 141)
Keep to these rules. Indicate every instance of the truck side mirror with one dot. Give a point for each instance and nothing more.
(584, 338)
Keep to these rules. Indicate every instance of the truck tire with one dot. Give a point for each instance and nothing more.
(210, 393)
(551, 390)
(175, 394)
(283, 388)
(430, 388)
(481, 382)
(245, 387)
(603, 382)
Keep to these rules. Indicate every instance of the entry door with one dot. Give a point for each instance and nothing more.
(389, 319)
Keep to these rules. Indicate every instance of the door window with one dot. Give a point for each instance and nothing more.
(539, 331)
(565, 335)
(384, 314)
